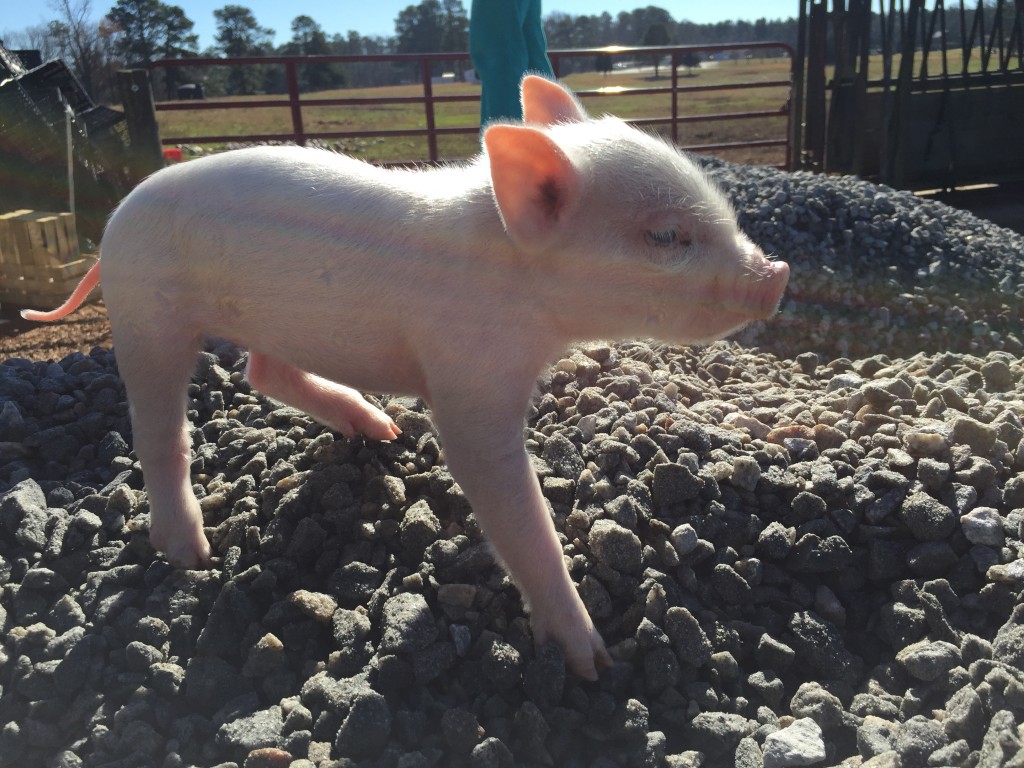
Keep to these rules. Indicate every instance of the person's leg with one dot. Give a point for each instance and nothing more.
(500, 57)
(533, 36)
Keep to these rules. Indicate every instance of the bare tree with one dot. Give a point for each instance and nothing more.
(77, 36)
(37, 38)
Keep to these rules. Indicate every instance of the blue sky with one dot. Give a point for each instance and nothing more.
(377, 17)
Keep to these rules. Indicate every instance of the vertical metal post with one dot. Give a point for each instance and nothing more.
(792, 133)
(293, 100)
(896, 135)
(815, 116)
(794, 147)
(428, 105)
(675, 97)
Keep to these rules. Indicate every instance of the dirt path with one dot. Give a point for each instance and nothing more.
(85, 329)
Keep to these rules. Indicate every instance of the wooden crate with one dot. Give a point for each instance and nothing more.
(40, 262)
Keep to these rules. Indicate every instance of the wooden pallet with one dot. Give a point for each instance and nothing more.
(40, 262)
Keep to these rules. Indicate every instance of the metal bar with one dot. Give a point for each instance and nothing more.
(988, 79)
(999, 19)
(359, 101)
(945, 59)
(675, 98)
(416, 58)
(794, 151)
(293, 101)
(986, 50)
(735, 145)
(816, 105)
(965, 49)
(179, 106)
(600, 92)
(1016, 35)
(389, 133)
(454, 131)
(428, 106)
(896, 130)
(711, 118)
(733, 86)
(997, 40)
(927, 32)
(170, 106)
(1007, 54)
(885, 31)
(979, 23)
(221, 139)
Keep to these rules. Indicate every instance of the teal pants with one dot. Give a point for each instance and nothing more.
(506, 40)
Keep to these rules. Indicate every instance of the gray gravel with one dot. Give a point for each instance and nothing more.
(803, 547)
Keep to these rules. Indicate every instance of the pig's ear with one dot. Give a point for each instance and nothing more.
(546, 102)
(535, 184)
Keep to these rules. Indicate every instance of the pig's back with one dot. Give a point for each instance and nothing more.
(251, 183)
(219, 245)
(227, 209)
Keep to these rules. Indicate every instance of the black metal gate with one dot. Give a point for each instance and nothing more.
(913, 93)
(35, 102)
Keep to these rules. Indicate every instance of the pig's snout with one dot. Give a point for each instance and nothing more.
(774, 276)
(756, 291)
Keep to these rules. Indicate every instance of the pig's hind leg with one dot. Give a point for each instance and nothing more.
(156, 370)
(339, 407)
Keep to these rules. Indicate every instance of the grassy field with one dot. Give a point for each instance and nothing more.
(185, 124)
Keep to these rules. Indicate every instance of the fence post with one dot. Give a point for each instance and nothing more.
(145, 153)
(428, 103)
(675, 97)
(896, 126)
(795, 149)
(293, 99)
(816, 112)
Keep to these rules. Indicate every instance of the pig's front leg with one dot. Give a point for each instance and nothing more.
(339, 407)
(483, 445)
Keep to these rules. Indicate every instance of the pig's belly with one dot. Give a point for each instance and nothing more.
(341, 335)
(361, 350)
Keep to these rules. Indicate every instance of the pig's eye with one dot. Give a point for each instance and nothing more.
(664, 238)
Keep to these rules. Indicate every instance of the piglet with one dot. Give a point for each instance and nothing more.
(456, 285)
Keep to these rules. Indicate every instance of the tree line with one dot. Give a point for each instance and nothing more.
(135, 32)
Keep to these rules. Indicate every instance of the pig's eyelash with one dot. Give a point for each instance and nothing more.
(666, 238)
(660, 237)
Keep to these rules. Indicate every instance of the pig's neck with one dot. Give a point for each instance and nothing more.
(451, 206)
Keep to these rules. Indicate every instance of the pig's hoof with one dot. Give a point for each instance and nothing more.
(379, 427)
(189, 555)
(367, 420)
(582, 645)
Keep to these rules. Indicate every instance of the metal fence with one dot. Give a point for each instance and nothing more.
(296, 102)
(913, 93)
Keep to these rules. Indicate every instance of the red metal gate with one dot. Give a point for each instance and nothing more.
(296, 102)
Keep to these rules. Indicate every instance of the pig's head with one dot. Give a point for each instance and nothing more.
(628, 218)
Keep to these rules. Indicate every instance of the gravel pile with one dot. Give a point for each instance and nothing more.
(878, 270)
(799, 550)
